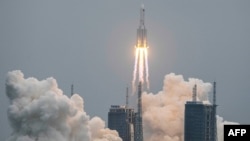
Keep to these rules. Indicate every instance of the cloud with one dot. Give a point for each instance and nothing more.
(163, 113)
(39, 111)
(99, 133)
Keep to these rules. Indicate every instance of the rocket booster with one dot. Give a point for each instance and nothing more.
(142, 31)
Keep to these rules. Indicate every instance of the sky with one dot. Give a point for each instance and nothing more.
(91, 44)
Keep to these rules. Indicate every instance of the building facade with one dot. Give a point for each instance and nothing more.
(121, 119)
(199, 122)
(200, 119)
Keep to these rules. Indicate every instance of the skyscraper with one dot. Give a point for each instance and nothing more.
(121, 119)
(200, 120)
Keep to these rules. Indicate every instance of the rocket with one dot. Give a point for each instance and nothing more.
(142, 31)
(140, 72)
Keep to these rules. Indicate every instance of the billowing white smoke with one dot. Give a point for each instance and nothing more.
(39, 111)
(163, 113)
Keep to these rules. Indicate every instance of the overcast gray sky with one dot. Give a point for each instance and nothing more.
(91, 44)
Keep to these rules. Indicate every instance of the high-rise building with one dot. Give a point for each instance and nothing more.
(125, 121)
(199, 124)
(200, 120)
(121, 119)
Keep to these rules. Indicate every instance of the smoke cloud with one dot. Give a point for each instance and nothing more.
(39, 111)
(163, 113)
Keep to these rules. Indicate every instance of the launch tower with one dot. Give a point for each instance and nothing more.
(214, 134)
(138, 117)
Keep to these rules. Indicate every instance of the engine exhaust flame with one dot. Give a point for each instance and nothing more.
(140, 73)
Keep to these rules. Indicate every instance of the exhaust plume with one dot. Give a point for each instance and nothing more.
(39, 111)
(140, 68)
(163, 113)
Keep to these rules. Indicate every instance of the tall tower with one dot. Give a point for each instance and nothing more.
(126, 97)
(72, 89)
(195, 93)
(138, 116)
(214, 113)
